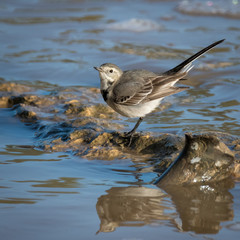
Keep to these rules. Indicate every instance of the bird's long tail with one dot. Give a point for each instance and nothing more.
(185, 66)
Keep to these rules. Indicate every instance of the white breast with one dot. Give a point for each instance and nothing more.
(133, 111)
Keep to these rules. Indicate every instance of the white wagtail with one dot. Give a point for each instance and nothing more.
(135, 93)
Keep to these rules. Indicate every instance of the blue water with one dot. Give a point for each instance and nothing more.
(46, 195)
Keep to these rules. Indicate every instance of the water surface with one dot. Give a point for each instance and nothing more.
(56, 195)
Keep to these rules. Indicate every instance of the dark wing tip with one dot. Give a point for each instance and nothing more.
(192, 58)
(222, 40)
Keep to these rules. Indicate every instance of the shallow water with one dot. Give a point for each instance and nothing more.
(57, 195)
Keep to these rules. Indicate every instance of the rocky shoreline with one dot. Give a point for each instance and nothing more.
(76, 120)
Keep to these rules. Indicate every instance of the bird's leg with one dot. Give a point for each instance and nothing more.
(135, 127)
(130, 134)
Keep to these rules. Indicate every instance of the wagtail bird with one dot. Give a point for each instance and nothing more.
(135, 93)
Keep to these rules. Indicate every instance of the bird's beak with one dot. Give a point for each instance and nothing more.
(98, 68)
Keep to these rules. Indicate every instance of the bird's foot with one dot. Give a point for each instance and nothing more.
(129, 135)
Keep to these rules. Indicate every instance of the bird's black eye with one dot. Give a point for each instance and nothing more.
(110, 70)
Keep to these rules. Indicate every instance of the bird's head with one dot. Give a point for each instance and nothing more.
(109, 73)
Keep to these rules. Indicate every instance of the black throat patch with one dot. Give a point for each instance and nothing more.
(104, 94)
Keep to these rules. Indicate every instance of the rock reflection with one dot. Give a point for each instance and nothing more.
(131, 206)
(200, 208)
(24, 153)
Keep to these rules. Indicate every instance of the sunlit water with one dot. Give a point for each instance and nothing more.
(58, 196)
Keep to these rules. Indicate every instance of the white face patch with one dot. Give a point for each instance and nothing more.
(106, 81)
(107, 77)
(195, 160)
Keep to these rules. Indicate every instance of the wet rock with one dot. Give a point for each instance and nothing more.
(75, 119)
(25, 99)
(84, 135)
(236, 171)
(167, 143)
(96, 111)
(92, 144)
(9, 90)
(4, 101)
(26, 114)
(205, 158)
(14, 88)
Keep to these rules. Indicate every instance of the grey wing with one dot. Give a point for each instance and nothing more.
(133, 87)
(132, 94)
(164, 86)
(149, 89)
